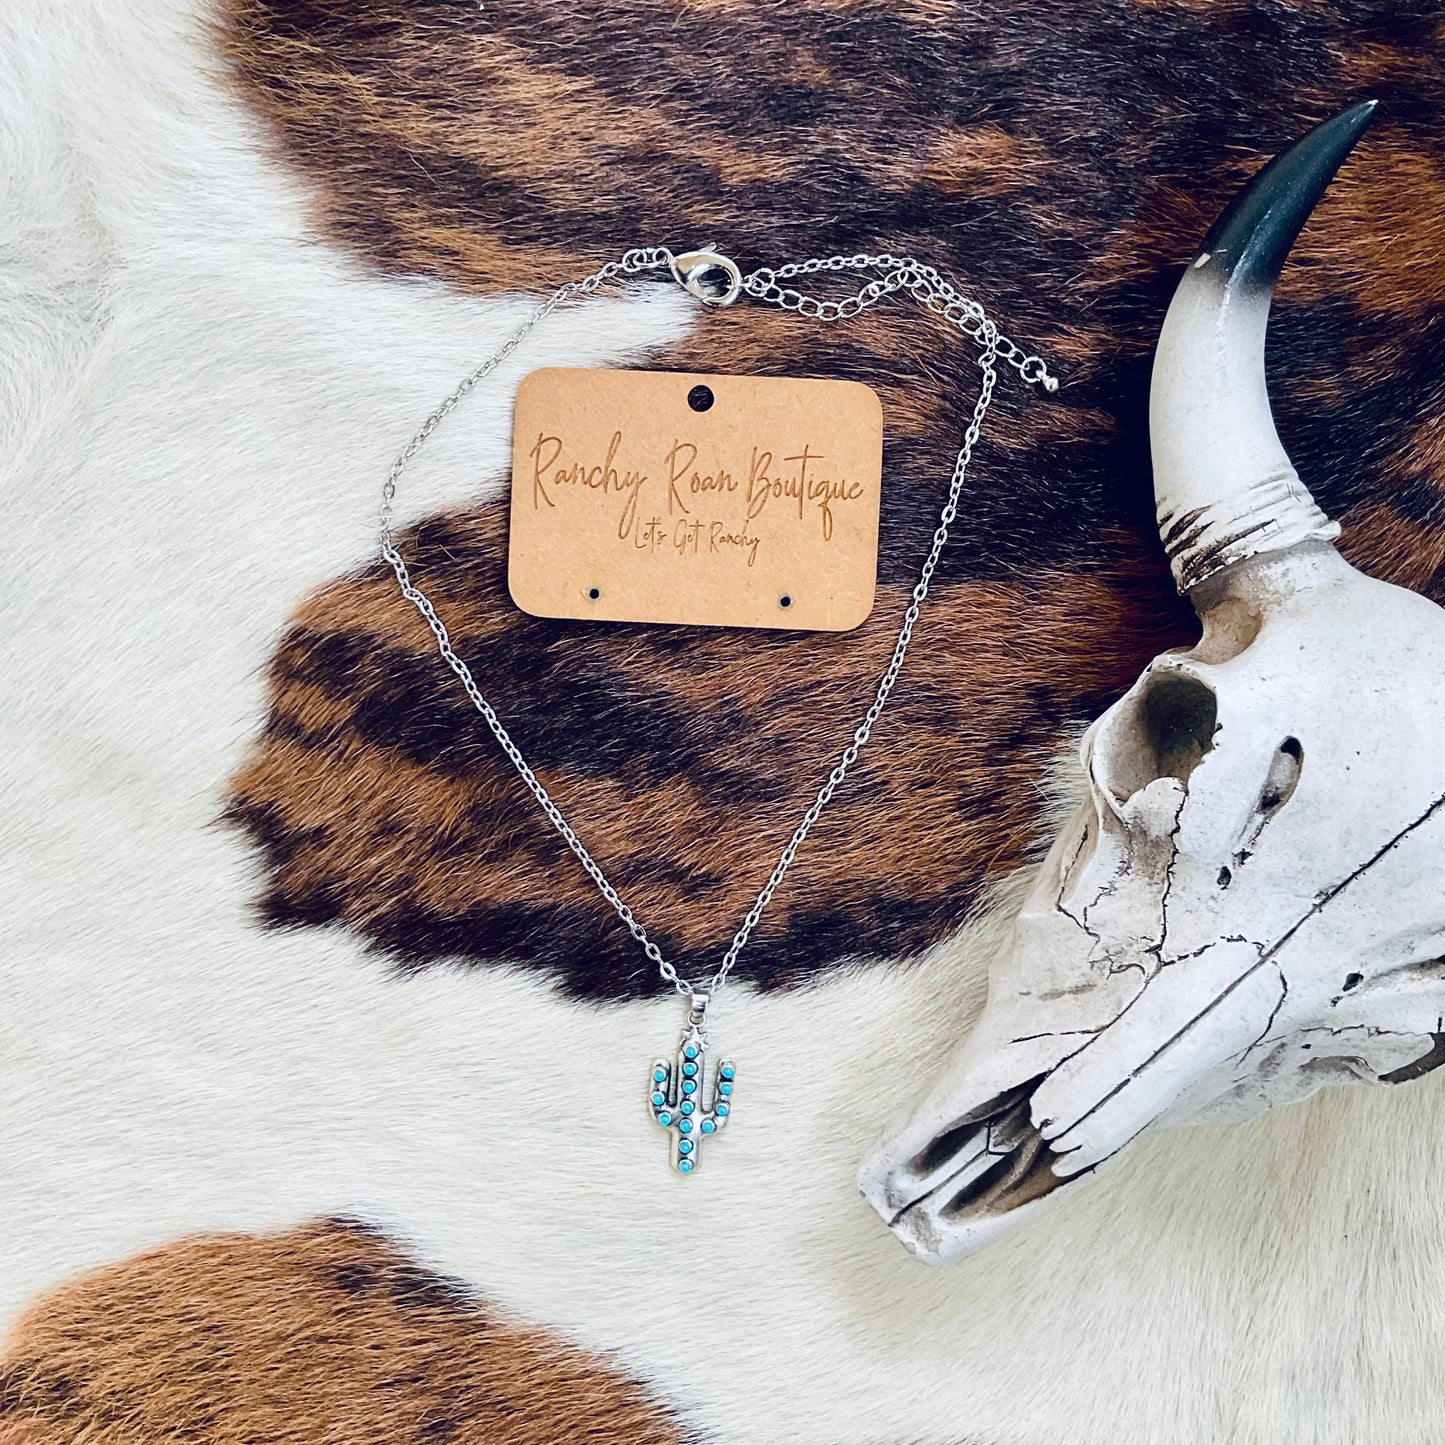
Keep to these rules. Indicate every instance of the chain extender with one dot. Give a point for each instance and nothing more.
(691, 270)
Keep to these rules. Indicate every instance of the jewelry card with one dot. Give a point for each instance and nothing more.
(722, 501)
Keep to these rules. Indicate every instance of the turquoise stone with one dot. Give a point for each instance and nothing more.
(689, 1069)
(724, 1089)
(685, 1165)
(664, 1118)
(691, 1088)
(728, 1071)
(722, 1109)
(684, 1146)
(688, 1106)
(686, 1126)
(659, 1100)
(708, 1126)
(690, 1051)
(659, 1075)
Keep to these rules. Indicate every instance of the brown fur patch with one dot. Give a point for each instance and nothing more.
(325, 1335)
(1378, 540)
(392, 811)
(1421, 454)
(1378, 236)
(1064, 172)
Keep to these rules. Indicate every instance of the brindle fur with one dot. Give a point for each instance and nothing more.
(1061, 163)
(325, 1333)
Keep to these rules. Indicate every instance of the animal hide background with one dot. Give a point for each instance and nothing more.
(320, 1058)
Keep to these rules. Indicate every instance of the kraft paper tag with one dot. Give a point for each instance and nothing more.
(722, 501)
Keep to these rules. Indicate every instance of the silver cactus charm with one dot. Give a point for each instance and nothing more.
(677, 1091)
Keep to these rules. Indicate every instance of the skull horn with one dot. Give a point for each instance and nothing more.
(1224, 487)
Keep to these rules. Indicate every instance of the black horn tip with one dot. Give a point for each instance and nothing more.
(1249, 242)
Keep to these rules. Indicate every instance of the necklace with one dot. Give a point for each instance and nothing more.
(677, 1088)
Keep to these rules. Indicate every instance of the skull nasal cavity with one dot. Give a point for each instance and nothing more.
(943, 1147)
(1173, 729)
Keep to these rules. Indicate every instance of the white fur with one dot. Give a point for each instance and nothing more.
(201, 401)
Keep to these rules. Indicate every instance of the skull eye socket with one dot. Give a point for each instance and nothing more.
(1172, 729)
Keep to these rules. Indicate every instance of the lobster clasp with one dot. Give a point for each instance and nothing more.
(697, 273)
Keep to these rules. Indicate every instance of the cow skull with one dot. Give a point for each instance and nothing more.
(1250, 902)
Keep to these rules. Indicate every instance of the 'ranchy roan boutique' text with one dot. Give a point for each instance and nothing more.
(675, 504)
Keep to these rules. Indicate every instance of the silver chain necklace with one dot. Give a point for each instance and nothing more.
(676, 1088)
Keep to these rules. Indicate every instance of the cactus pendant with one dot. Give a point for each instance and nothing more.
(678, 1090)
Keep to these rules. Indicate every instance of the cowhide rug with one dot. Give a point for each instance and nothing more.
(320, 1058)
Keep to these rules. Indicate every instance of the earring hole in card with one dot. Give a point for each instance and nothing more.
(700, 398)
